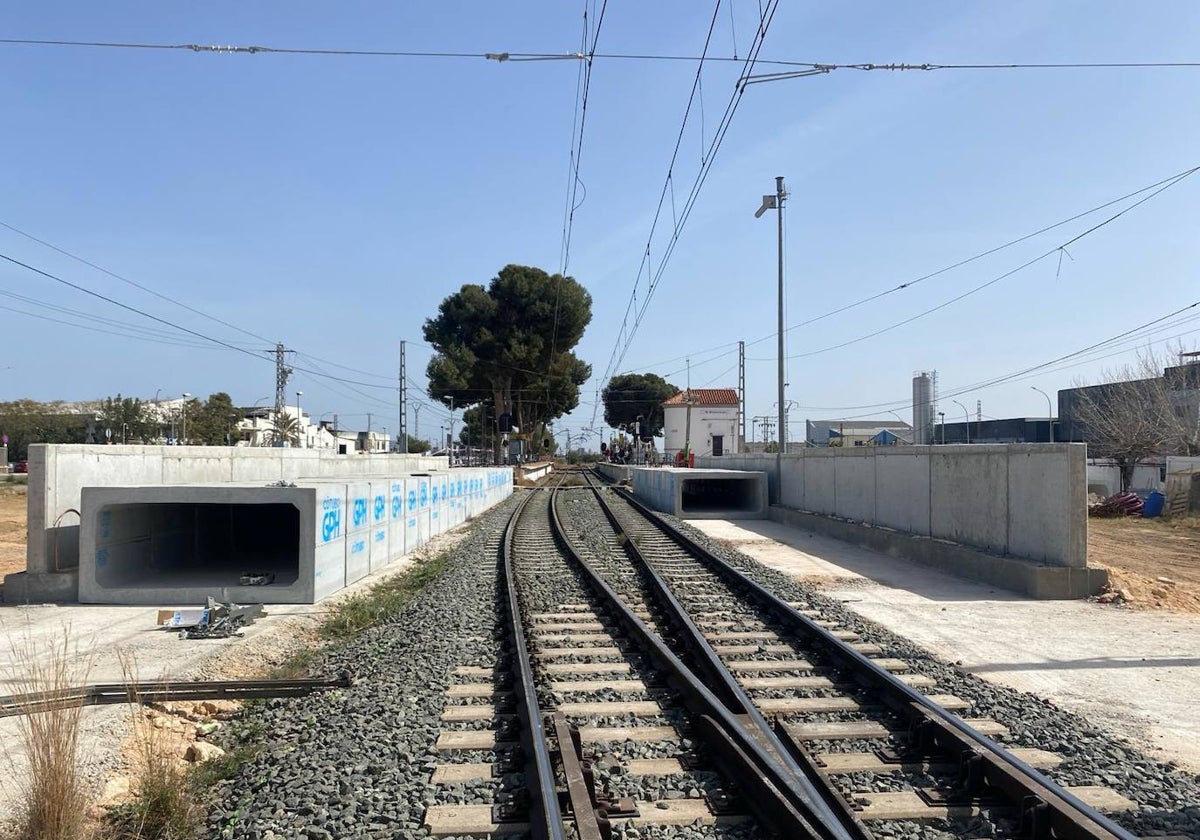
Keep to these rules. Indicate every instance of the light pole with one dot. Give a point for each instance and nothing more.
(299, 394)
(1049, 410)
(186, 397)
(942, 423)
(775, 202)
(450, 440)
(966, 420)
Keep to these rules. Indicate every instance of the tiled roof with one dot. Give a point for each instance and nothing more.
(705, 396)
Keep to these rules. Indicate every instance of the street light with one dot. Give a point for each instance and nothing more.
(299, 394)
(450, 440)
(775, 202)
(942, 423)
(1049, 410)
(966, 420)
(186, 397)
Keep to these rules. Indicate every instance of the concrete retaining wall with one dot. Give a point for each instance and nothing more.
(614, 472)
(1023, 500)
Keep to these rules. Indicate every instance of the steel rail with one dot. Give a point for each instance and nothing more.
(546, 820)
(107, 694)
(1046, 807)
(778, 798)
(705, 660)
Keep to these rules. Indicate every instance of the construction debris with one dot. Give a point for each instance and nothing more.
(1122, 504)
(213, 621)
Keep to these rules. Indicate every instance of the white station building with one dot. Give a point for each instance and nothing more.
(713, 416)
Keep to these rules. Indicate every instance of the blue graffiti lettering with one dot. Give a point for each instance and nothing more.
(331, 525)
(424, 495)
(412, 499)
(397, 506)
(380, 507)
(102, 557)
(358, 547)
(360, 512)
(380, 536)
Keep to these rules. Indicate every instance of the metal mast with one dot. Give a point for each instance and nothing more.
(741, 396)
(282, 372)
(402, 438)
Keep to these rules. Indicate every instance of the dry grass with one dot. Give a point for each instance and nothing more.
(54, 804)
(162, 806)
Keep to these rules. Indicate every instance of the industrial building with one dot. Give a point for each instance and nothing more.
(1179, 384)
(704, 420)
(1011, 430)
(858, 433)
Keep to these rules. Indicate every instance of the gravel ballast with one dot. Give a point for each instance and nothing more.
(356, 763)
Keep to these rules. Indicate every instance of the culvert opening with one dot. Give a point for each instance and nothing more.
(179, 544)
(711, 495)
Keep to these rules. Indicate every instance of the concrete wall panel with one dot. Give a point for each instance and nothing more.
(423, 504)
(820, 482)
(902, 490)
(792, 488)
(969, 495)
(854, 479)
(396, 519)
(358, 514)
(1042, 489)
(380, 548)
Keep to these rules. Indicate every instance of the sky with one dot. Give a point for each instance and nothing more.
(330, 202)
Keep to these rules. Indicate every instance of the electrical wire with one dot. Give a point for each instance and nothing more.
(1133, 335)
(627, 331)
(503, 57)
(1056, 250)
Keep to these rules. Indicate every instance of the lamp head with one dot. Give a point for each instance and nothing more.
(768, 204)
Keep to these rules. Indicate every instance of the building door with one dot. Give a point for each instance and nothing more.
(718, 447)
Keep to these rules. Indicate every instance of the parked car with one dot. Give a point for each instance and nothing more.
(21, 467)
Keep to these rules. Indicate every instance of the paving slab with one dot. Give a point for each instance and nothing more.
(1133, 674)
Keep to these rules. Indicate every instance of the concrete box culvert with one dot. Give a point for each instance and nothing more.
(174, 545)
(725, 495)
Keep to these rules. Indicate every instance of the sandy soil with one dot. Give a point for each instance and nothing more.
(1139, 553)
(12, 530)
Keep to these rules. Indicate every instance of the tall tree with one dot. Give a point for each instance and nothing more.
(213, 422)
(1137, 413)
(510, 344)
(127, 418)
(629, 395)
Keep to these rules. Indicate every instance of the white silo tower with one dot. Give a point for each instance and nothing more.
(924, 405)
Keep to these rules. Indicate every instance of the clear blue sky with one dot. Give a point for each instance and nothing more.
(330, 202)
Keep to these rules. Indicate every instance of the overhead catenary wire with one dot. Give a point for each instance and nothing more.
(1057, 249)
(627, 331)
(1134, 333)
(507, 56)
(260, 354)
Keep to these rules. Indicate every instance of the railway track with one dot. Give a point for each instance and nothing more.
(646, 682)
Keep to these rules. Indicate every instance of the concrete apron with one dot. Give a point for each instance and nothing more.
(1015, 574)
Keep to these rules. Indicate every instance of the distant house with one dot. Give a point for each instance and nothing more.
(713, 414)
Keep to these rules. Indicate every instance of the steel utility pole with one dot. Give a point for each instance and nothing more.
(775, 202)
(416, 422)
(779, 197)
(282, 372)
(403, 436)
(741, 396)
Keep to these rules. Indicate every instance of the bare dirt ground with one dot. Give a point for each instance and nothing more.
(12, 530)
(1139, 553)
